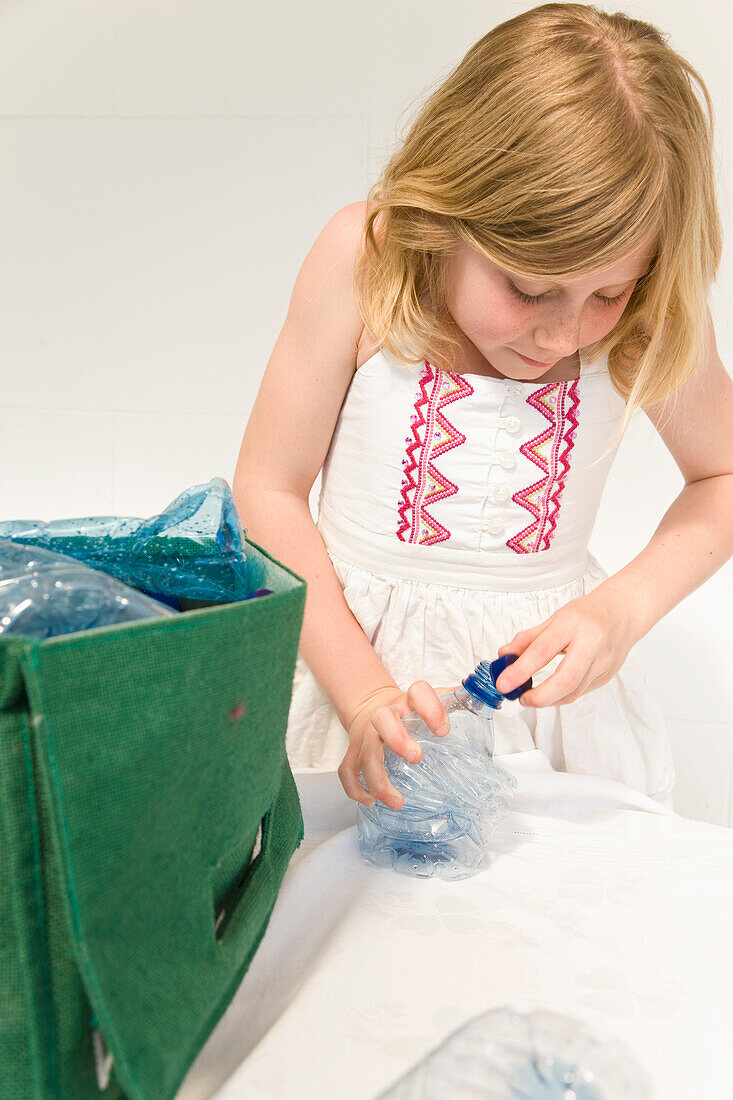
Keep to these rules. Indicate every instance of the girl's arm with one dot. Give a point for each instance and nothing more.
(285, 443)
(693, 540)
(695, 536)
(332, 642)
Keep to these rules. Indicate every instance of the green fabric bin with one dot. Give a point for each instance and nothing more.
(147, 817)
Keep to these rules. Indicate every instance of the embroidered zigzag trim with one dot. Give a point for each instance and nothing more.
(550, 450)
(432, 436)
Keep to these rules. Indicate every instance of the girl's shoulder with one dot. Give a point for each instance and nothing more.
(367, 345)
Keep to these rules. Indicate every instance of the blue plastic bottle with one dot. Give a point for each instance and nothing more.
(43, 594)
(454, 796)
(195, 549)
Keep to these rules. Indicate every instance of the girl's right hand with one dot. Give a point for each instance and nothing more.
(376, 723)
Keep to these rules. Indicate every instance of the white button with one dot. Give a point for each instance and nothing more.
(515, 391)
(508, 460)
(495, 526)
(501, 492)
(511, 423)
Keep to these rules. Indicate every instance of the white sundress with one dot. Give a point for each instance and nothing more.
(457, 510)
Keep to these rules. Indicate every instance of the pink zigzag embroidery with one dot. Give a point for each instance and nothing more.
(432, 436)
(550, 450)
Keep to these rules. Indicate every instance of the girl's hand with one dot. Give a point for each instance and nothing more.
(376, 722)
(595, 632)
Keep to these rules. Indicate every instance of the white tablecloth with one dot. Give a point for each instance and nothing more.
(601, 905)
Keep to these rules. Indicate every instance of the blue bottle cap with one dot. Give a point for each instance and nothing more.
(482, 682)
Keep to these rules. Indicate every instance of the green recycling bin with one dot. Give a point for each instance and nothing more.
(148, 814)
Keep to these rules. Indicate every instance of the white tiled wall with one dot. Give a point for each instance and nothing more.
(166, 165)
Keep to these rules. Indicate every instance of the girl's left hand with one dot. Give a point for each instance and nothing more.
(595, 632)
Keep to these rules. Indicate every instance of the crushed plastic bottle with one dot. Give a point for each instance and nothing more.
(454, 796)
(194, 549)
(507, 1055)
(43, 594)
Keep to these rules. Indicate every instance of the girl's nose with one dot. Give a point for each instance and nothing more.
(564, 342)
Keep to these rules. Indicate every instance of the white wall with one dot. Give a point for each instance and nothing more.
(166, 165)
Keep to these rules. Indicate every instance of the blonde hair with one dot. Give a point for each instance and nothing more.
(563, 139)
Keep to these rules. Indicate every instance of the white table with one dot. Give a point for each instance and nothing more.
(601, 905)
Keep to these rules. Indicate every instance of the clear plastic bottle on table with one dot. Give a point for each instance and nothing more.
(503, 1054)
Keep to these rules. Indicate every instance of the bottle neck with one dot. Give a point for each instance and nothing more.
(480, 683)
(468, 700)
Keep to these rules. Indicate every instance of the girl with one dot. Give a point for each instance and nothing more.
(461, 355)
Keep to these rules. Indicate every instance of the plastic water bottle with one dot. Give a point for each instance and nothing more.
(195, 549)
(503, 1054)
(43, 594)
(454, 796)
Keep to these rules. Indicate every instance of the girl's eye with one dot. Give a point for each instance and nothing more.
(533, 299)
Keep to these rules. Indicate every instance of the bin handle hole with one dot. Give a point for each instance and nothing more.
(233, 895)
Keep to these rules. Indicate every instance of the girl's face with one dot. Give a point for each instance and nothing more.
(489, 308)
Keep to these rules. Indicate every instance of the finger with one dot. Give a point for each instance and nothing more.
(590, 682)
(538, 653)
(348, 773)
(423, 698)
(566, 679)
(392, 731)
(375, 774)
(522, 639)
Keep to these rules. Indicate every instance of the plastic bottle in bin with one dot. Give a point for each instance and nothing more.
(454, 796)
